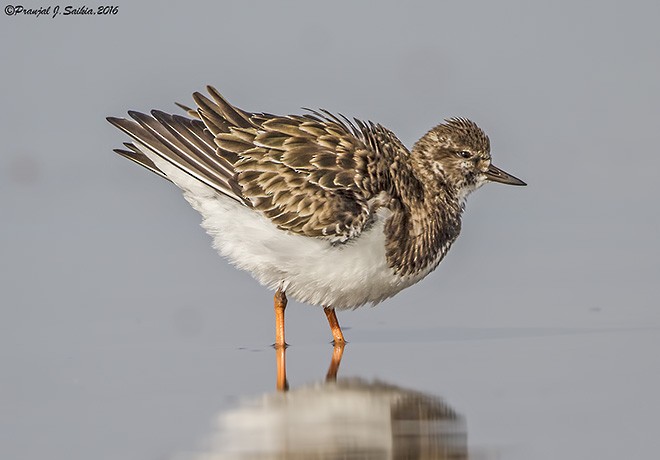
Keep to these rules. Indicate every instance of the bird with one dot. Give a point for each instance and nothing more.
(327, 210)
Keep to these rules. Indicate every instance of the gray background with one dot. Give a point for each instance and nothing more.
(122, 333)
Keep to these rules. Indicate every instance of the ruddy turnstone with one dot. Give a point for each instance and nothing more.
(332, 212)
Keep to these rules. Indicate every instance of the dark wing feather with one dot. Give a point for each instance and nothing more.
(192, 152)
(308, 174)
(134, 154)
(303, 174)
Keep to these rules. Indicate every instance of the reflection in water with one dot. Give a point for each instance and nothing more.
(338, 419)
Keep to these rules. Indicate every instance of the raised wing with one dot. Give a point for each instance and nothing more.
(310, 174)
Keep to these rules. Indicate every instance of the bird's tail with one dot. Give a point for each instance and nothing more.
(187, 143)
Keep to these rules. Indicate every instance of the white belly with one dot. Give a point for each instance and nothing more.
(310, 269)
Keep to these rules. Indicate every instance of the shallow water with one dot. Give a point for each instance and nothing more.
(447, 393)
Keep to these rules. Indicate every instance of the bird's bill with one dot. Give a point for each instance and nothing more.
(495, 174)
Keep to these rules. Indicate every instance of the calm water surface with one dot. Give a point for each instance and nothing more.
(443, 393)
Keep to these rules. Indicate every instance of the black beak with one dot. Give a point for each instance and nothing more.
(495, 174)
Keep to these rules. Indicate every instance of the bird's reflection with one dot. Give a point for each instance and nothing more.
(346, 418)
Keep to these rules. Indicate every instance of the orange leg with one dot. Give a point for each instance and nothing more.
(280, 305)
(280, 356)
(337, 335)
(337, 353)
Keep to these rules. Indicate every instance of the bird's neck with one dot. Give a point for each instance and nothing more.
(424, 224)
(440, 194)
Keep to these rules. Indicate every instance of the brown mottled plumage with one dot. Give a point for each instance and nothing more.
(325, 177)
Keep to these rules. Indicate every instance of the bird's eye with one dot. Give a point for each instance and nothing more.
(465, 154)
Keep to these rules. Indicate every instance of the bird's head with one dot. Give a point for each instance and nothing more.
(457, 152)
